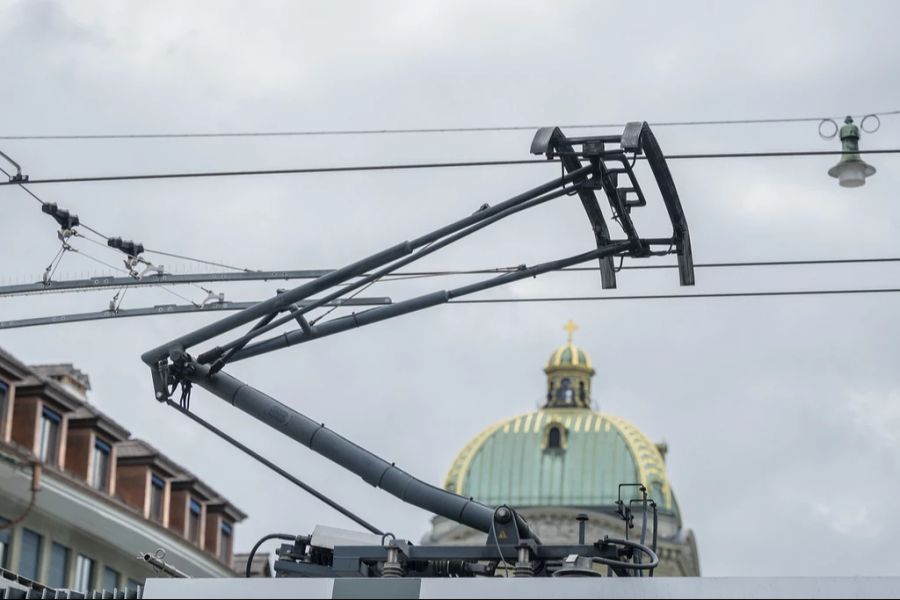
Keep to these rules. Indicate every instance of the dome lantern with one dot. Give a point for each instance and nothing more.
(569, 372)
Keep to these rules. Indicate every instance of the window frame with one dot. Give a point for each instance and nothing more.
(49, 418)
(4, 406)
(106, 571)
(25, 532)
(157, 483)
(194, 519)
(67, 559)
(226, 532)
(81, 559)
(5, 543)
(104, 448)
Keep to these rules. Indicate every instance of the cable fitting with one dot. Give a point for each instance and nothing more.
(67, 221)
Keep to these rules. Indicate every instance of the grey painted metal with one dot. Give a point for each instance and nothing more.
(426, 250)
(96, 283)
(386, 588)
(159, 562)
(341, 275)
(166, 309)
(375, 315)
(571, 587)
(318, 438)
(263, 460)
(546, 141)
(170, 363)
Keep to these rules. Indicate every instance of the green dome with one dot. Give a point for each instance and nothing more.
(522, 462)
(567, 357)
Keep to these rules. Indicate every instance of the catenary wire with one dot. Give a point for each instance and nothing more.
(115, 268)
(401, 275)
(436, 165)
(414, 130)
(159, 252)
(408, 275)
(676, 296)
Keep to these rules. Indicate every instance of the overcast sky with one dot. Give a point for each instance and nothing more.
(781, 414)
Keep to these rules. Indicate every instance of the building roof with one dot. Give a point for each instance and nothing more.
(227, 508)
(260, 567)
(87, 414)
(569, 356)
(514, 462)
(139, 451)
(63, 370)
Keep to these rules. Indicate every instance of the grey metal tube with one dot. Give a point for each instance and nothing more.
(96, 283)
(278, 302)
(163, 566)
(426, 250)
(373, 470)
(352, 270)
(374, 315)
(168, 309)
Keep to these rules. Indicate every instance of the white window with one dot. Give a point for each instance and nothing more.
(100, 471)
(194, 521)
(48, 450)
(157, 488)
(84, 573)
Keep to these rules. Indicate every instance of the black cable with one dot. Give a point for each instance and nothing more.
(402, 275)
(265, 538)
(674, 296)
(323, 132)
(483, 163)
(115, 268)
(197, 260)
(411, 166)
(654, 558)
(106, 237)
(263, 460)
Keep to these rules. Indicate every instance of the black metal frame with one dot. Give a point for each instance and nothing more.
(586, 171)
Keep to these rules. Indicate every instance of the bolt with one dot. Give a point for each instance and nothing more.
(582, 523)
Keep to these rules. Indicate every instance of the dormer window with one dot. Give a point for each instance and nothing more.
(555, 436)
(48, 448)
(4, 401)
(194, 521)
(225, 543)
(100, 470)
(157, 490)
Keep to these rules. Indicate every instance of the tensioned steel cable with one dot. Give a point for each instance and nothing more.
(263, 460)
(400, 275)
(407, 275)
(115, 268)
(677, 296)
(414, 166)
(106, 237)
(414, 130)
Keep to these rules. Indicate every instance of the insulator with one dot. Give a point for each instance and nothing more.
(392, 569)
(524, 569)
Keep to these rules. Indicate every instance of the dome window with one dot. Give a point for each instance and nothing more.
(555, 436)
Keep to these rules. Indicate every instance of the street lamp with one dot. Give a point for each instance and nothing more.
(851, 170)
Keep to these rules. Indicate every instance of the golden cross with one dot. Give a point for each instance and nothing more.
(570, 327)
